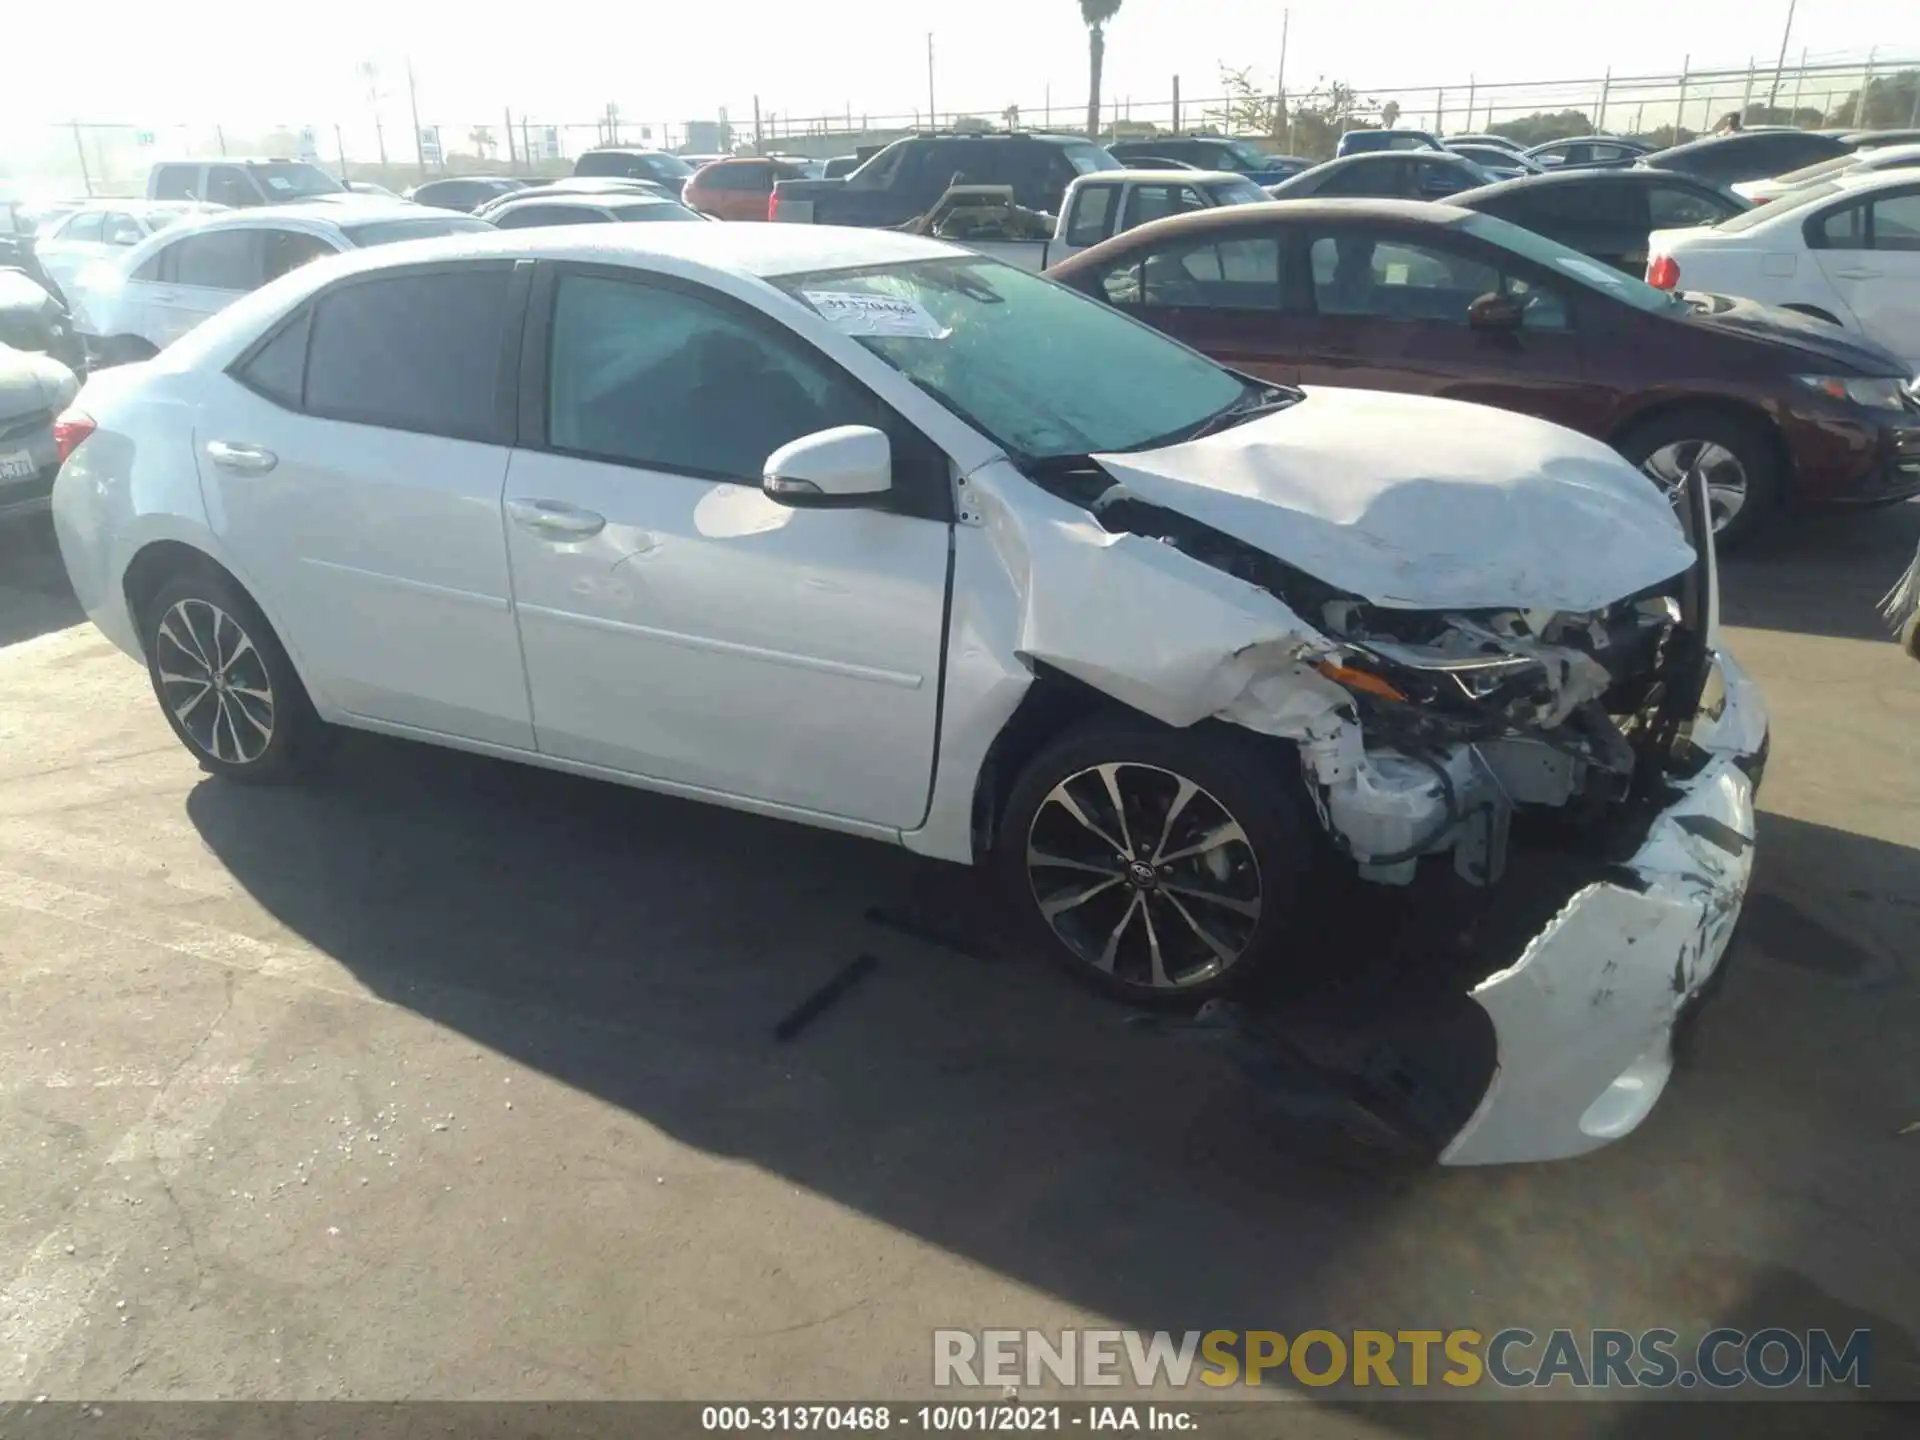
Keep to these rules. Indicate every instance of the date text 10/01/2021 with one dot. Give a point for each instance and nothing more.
(938, 1419)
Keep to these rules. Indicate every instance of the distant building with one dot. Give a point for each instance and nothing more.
(708, 137)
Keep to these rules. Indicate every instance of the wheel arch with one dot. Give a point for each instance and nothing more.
(1726, 406)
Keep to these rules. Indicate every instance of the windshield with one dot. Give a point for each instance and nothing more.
(1236, 192)
(1563, 260)
(386, 232)
(668, 167)
(1249, 158)
(1040, 369)
(1773, 209)
(1090, 159)
(286, 178)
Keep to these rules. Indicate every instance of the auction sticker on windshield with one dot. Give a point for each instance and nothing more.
(853, 313)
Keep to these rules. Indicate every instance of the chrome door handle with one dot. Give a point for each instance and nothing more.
(247, 459)
(555, 519)
(1858, 274)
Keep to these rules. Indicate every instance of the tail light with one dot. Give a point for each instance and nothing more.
(1663, 272)
(773, 204)
(69, 430)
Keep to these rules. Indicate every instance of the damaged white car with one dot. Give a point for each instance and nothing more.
(867, 532)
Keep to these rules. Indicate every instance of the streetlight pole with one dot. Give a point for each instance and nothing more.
(933, 120)
(1781, 64)
(1280, 126)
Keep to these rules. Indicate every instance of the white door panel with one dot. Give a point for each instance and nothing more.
(705, 635)
(381, 551)
(1882, 288)
(176, 309)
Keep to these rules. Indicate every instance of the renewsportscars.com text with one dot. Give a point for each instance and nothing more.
(1723, 1359)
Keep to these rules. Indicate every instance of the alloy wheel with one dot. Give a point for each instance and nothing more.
(1144, 875)
(214, 681)
(1726, 477)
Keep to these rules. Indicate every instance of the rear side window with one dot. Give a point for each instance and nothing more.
(1671, 208)
(749, 176)
(1844, 229)
(288, 250)
(83, 227)
(278, 369)
(227, 185)
(1215, 274)
(412, 352)
(1157, 202)
(218, 260)
(605, 162)
(177, 182)
(1896, 222)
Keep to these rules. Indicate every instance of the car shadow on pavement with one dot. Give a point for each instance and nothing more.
(1822, 573)
(644, 950)
(35, 598)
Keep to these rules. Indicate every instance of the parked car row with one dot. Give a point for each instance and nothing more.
(930, 550)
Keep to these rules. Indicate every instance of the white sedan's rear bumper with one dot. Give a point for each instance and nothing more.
(1584, 1020)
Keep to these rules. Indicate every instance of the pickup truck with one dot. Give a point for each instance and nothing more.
(989, 219)
(906, 178)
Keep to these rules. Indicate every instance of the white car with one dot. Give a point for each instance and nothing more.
(100, 230)
(133, 306)
(864, 531)
(1858, 162)
(1846, 251)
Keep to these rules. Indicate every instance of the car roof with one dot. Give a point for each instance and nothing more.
(1234, 217)
(564, 198)
(1564, 179)
(330, 214)
(1625, 140)
(756, 251)
(140, 205)
(1159, 177)
(1869, 179)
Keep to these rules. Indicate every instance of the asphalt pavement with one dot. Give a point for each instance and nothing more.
(442, 1077)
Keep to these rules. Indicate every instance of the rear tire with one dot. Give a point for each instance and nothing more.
(224, 682)
(1744, 479)
(1185, 889)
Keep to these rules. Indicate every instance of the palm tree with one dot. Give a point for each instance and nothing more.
(1096, 13)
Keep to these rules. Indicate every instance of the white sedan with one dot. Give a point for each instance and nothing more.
(864, 531)
(99, 230)
(135, 305)
(1846, 251)
(1857, 162)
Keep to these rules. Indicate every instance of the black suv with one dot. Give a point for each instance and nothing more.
(908, 176)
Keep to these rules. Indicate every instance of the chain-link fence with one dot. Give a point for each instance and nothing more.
(1845, 92)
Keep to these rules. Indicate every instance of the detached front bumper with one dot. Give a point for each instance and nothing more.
(1584, 1020)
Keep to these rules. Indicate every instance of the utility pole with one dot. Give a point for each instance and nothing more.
(1680, 105)
(1799, 79)
(340, 144)
(1606, 88)
(758, 147)
(1176, 104)
(512, 159)
(1866, 83)
(1781, 64)
(413, 104)
(933, 119)
(1280, 125)
(80, 146)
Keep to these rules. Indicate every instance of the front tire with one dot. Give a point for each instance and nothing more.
(225, 684)
(1744, 483)
(1161, 866)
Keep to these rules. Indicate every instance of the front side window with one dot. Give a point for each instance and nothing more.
(412, 352)
(1896, 222)
(85, 226)
(1569, 265)
(218, 260)
(1013, 355)
(1366, 177)
(124, 230)
(1670, 208)
(227, 185)
(658, 377)
(177, 182)
(1843, 229)
(1089, 159)
(1357, 274)
(1236, 192)
(288, 250)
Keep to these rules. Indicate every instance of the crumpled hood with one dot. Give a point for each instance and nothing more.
(1424, 504)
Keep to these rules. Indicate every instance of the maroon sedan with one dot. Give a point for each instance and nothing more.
(1432, 299)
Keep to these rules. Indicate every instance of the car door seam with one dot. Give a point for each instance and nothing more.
(500, 604)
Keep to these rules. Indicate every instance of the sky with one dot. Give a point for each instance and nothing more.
(248, 65)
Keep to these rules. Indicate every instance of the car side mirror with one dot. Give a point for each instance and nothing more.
(842, 468)
(1496, 313)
